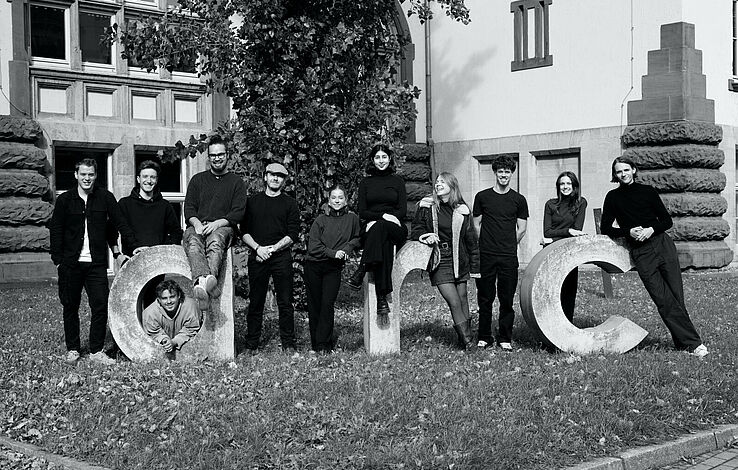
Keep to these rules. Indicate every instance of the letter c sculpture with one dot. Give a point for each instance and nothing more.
(540, 293)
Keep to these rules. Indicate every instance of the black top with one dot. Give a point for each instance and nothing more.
(633, 205)
(445, 221)
(67, 226)
(210, 197)
(153, 221)
(382, 193)
(269, 218)
(559, 218)
(333, 231)
(500, 214)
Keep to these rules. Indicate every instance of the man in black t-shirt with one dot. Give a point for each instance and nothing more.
(270, 227)
(500, 217)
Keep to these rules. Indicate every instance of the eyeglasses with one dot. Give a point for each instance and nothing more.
(217, 155)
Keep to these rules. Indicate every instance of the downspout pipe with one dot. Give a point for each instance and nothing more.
(428, 101)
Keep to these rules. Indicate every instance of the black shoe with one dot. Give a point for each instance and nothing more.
(383, 309)
(356, 280)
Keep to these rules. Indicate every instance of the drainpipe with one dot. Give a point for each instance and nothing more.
(428, 104)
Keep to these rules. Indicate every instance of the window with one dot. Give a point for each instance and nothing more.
(487, 176)
(48, 32)
(530, 34)
(65, 159)
(172, 181)
(91, 33)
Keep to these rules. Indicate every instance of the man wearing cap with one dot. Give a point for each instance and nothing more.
(214, 205)
(271, 225)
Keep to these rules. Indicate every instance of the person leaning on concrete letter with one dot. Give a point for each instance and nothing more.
(173, 319)
(444, 221)
(563, 217)
(635, 211)
(78, 232)
(501, 218)
(214, 205)
(271, 225)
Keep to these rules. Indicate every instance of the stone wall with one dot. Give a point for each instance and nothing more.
(25, 197)
(416, 171)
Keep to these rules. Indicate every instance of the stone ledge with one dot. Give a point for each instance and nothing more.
(694, 204)
(22, 183)
(672, 133)
(677, 180)
(22, 211)
(23, 157)
(680, 156)
(415, 153)
(415, 171)
(699, 229)
(24, 238)
(703, 255)
(19, 129)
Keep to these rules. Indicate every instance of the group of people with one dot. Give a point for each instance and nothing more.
(480, 243)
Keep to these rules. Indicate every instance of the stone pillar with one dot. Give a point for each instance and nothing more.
(24, 203)
(672, 138)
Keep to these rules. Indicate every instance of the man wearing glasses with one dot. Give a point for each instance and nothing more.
(214, 204)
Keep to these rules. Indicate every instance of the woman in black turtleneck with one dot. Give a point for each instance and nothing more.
(382, 207)
(564, 217)
(635, 211)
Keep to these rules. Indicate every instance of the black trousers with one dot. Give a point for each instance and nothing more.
(379, 246)
(569, 293)
(322, 280)
(279, 268)
(94, 278)
(499, 276)
(658, 266)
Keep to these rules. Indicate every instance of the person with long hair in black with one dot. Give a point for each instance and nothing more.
(382, 207)
(635, 211)
(444, 221)
(563, 217)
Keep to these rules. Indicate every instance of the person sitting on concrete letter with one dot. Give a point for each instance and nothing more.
(173, 319)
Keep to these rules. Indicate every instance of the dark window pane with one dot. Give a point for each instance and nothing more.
(169, 177)
(66, 158)
(91, 31)
(48, 38)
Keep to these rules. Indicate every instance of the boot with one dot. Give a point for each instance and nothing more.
(465, 335)
(383, 309)
(356, 280)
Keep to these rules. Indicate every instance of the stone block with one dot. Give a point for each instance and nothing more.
(19, 129)
(23, 238)
(679, 34)
(670, 108)
(674, 84)
(540, 292)
(675, 180)
(23, 157)
(680, 156)
(214, 342)
(417, 191)
(666, 133)
(603, 463)
(648, 110)
(24, 267)
(22, 211)
(699, 229)
(691, 109)
(415, 153)
(22, 183)
(659, 455)
(415, 171)
(674, 60)
(695, 204)
(726, 434)
(703, 255)
(384, 338)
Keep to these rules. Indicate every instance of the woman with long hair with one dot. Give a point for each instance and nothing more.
(563, 217)
(382, 206)
(444, 221)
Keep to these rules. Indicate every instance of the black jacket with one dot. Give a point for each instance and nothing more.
(153, 221)
(67, 225)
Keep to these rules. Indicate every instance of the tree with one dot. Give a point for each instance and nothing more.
(312, 81)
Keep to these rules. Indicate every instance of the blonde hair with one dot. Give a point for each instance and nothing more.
(455, 199)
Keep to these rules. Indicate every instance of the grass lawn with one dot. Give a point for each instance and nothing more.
(428, 407)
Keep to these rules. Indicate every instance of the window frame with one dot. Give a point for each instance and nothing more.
(521, 34)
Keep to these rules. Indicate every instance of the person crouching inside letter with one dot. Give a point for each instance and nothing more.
(173, 319)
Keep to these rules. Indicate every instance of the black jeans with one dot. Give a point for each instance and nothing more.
(379, 244)
(322, 280)
(94, 278)
(279, 267)
(499, 276)
(658, 266)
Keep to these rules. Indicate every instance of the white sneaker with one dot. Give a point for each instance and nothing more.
(211, 286)
(102, 358)
(506, 346)
(482, 344)
(700, 351)
(203, 299)
(71, 357)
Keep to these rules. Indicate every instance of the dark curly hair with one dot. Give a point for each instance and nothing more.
(171, 286)
(371, 168)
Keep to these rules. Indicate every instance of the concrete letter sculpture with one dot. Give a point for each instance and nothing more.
(380, 338)
(540, 293)
(215, 341)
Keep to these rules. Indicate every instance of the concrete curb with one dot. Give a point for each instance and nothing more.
(35, 451)
(659, 455)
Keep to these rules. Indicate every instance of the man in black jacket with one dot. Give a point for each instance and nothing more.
(78, 237)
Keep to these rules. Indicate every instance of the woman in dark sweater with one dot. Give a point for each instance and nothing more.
(635, 211)
(382, 206)
(563, 217)
(333, 237)
(444, 221)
